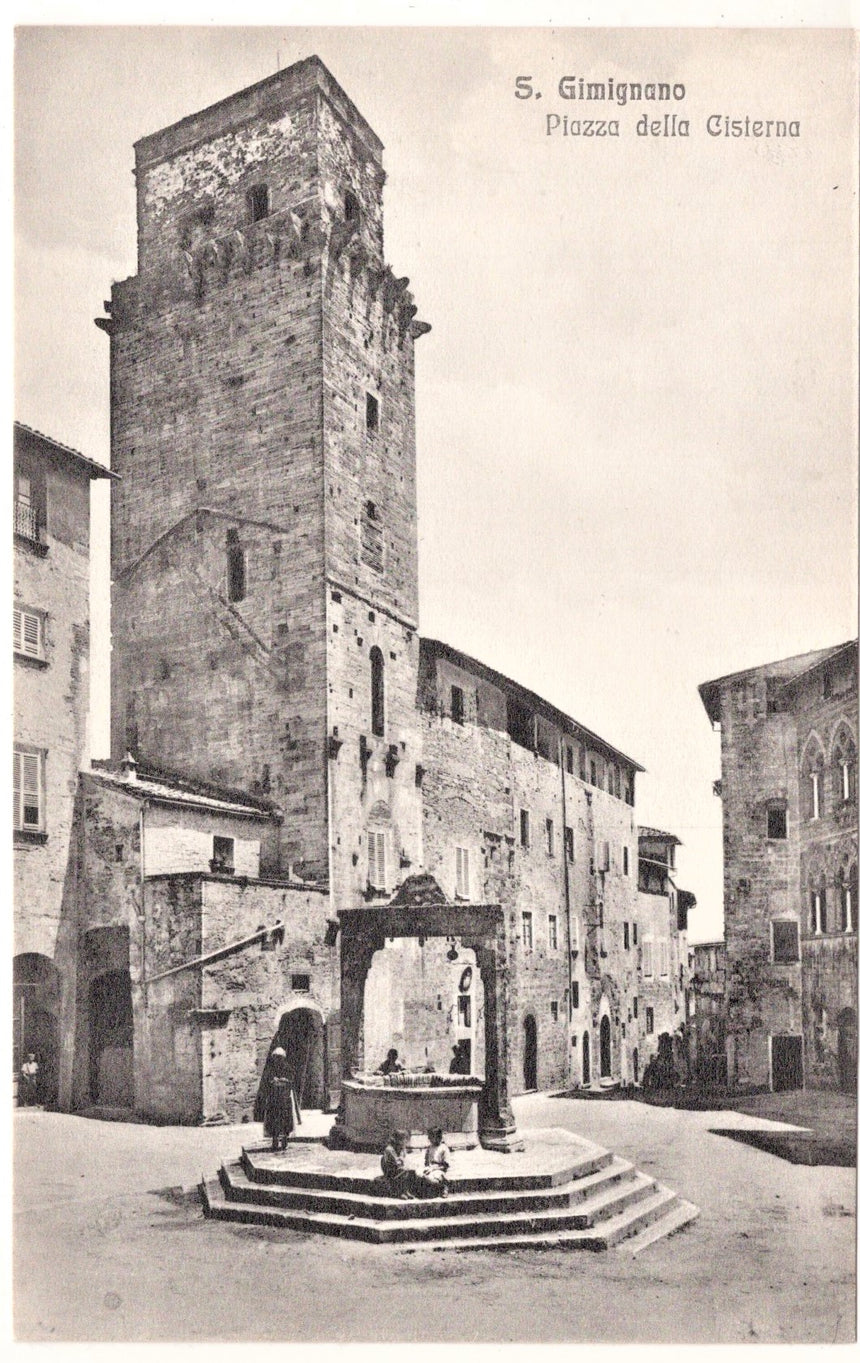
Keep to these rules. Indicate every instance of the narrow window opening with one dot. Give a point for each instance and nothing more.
(550, 838)
(777, 822)
(527, 930)
(457, 704)
(377, 692)
(524, 828)
(372, 413)
(258, 203)
(235, 568)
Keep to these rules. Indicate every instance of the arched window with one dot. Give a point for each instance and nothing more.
(377, 693)
(812, 780)
(843, 768)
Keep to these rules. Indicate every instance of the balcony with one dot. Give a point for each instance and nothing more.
(27, 525)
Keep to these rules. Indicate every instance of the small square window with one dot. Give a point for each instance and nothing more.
(777, 822)
(300, 984)
(372, 413)
(786, 941)
(222, 855)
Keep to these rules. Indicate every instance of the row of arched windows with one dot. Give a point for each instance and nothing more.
(832, 906)
(827, 786)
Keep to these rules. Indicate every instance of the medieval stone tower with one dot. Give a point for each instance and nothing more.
(264, 551)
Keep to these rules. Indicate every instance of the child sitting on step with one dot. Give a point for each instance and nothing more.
(437, 1159)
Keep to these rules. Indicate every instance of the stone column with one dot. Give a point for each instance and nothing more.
(357, 948)
(496, 1126)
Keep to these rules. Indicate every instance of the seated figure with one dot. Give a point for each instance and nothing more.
(398, 1180)
(391, 1064)
(437, 1159)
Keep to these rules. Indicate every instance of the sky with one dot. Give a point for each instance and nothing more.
(636, 410)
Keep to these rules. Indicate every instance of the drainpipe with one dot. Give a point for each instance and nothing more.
(566, 895)
(143, 807)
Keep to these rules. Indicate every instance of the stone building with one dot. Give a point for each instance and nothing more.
(789, 791)
(662, 983)
(708, 1014)
(51, 624)
(266, 649)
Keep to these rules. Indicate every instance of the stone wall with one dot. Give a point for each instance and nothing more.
(761, 875)
(478, 783)
(51, 695)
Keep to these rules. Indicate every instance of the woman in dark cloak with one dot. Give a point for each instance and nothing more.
(276, 1095)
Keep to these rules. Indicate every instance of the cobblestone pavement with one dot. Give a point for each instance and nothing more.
(110, 1245)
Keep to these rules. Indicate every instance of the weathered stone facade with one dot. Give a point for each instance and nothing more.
(51, 715)
(206, 961)
(265, 616)
(789, 793)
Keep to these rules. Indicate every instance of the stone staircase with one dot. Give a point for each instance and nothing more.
(559, 1192)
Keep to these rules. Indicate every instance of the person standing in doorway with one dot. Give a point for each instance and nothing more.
(29, 1081)
(278, 1121)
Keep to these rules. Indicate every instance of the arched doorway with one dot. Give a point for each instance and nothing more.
(301, 1032)
(530, 1074)
(847, 1050)
(605, 1048)
(36, 1030)
(111, 1040)
(586, 1058)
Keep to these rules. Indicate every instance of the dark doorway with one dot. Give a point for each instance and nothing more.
(586, 1058)
(605, 1048)
(786, 1062)
(847, 1050)
(111, 1040)
(302, 1035)
(36, 1031)
(530, 1079)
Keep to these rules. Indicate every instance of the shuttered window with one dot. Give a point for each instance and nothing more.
(463, 886)
(28, 796)
(27, 633)
(647, 958)
(376, 860)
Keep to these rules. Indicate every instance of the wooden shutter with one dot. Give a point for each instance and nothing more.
(463, 872)
(27, 632)
(28, 790)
